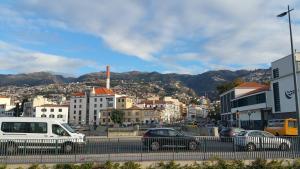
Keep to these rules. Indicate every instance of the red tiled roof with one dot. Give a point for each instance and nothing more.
(79, 94)
(4, 97)
(261, 89)
(103, 90)
(250, 85)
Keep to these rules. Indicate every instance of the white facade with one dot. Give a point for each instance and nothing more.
(58, 112)
(283, 86)
(6, 107)
(196, 111)
(29, 107)
(85, 107)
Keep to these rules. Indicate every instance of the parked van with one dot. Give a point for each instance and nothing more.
(38, 133)
(282, 127)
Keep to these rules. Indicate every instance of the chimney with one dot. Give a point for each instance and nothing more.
(107, 77)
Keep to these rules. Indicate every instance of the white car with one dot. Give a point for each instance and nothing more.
(252, 140)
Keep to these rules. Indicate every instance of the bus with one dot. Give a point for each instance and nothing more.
(282, 127)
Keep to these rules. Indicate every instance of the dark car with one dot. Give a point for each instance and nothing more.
(158, 138)
(227, 134)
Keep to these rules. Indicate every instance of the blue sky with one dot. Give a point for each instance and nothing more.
(74, 37)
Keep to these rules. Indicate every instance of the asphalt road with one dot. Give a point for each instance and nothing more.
(114, 149)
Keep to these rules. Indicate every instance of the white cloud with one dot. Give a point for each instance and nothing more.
(241, 33)
(21, 60)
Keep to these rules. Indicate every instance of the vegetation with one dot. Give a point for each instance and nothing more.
(213, 164)
(214, 113)
(227, 86)
(117, 116)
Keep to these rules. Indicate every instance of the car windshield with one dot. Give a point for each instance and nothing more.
(66, 126)
(242, 133)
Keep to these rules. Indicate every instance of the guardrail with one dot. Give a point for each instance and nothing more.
(146, 149)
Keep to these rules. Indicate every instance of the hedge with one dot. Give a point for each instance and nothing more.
(214, 164)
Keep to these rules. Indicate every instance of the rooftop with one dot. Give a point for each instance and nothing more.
(102, 90)
(79, 94)
(250, 85)
(261, 89)
(53, 105)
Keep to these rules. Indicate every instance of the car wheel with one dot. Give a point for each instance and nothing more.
(154, 146)
(68, 148)
(192, 145)
(251, 147)
(11, 148)
(284, 147)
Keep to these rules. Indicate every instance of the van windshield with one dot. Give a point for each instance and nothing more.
(66, 126)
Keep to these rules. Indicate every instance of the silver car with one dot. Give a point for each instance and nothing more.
(252, 140)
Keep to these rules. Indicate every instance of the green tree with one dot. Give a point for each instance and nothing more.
(227, 86)
(214, 113)
(117, 116)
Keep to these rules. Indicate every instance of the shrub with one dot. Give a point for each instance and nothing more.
(131, 165)
(64, 166)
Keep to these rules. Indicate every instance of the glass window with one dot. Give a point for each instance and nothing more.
(24, 127)
(100, 105)
(79, 112)
(44, 110)
(74, 111)
(292, 124)
(74, 106)
(267, 134)
(59, 110)
(95, 99)
(95, 105)
(51, 116)
(95, 112)
(58, 130)
(70, 129)
(80, 100)
(51, 110)
(276, 96)
(80, 106)
(172, 133)
(74, 100)
(100, 99)
(43, 115)
(275, 73)
(60, 116)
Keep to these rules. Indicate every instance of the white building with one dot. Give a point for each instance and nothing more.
(85, 107)
(29, 107)
(282, 85)
(6, 107)
(195, 112)
(229, 111)
(59, 112)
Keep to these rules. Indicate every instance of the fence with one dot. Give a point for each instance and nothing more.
(148, 149)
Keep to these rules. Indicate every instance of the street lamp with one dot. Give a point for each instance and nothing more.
(294, 66)
(249, 114)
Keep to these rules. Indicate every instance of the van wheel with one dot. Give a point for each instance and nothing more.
(11, 148)
(68, 148)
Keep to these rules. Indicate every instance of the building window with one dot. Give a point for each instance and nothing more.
(60, 116)
(100, 99)
(122, 100)
(276, 97)
(74, 106)
(51, 116)
(43, 115)
(80, 100)
(95, 105)
(74, 111)
(59, 110)
(80, 106)
(119, 100)
(95, 99)
(79, 112)
(44, 110)
(137, 113)
(95, 112)
(51, 110)
(100, 105)
(74, 100)
(137, 120)
(275, 73)
(74, 117)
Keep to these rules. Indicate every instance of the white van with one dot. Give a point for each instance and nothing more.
(38, 133)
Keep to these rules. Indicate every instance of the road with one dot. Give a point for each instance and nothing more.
(124, 149)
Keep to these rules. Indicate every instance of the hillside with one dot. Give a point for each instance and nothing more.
(168, 84)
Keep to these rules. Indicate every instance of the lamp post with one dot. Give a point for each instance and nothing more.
(294, 66)
(249, 114)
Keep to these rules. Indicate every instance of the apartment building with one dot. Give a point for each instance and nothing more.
(85, 107)
(58, 112)
(29, 107)
(196, 112)
(134, 115)
(6, 107)
(124, 102)
(283, 87)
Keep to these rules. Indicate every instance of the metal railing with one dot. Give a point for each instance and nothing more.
(146, 149)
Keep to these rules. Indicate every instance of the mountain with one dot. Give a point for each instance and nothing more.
(201, 84)
(33, 79)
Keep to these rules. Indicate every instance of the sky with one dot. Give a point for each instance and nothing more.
(74, 37)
